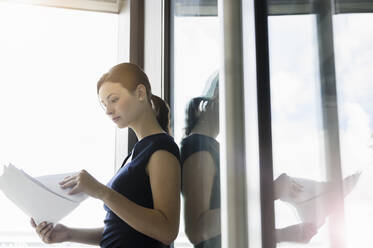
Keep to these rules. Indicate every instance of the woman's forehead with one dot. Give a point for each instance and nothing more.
(108, 88)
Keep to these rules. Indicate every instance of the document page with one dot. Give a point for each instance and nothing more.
(40, 198)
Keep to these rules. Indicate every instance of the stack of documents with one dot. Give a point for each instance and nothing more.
(41, 198)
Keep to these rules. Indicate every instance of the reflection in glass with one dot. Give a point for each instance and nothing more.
(201, 181)
(201, 172)
(353, 38)
(195, 43)
(309, 191)
(296, 125)
(305, 122)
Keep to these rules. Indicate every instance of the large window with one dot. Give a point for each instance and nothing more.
(306, 63)
(51, 120)
(354, 60)
(196, 61)
(195, 54)
(296, 122)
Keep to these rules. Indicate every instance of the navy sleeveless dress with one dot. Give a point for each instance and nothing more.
(197, 143)
(132, 181)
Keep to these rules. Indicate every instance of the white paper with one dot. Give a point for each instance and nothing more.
(40, 198)
(319, 199)
(52, 183)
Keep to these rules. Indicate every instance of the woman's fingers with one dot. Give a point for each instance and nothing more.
(33, 224)
(309, 230)
(68, 184)
(47, 235)
(296, 186)
(296, 183)
(46, 229)
(74, 190)
(42, 228)
(67, 179)
(64, 180)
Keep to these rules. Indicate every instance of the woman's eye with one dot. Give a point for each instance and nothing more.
(114, 100)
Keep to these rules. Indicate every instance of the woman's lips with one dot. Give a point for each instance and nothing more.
(116, 118)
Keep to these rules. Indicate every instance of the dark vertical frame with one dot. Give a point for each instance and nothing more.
(264, 124)
(137, 27)
(137, 32)
(167, 81)
(329, 108)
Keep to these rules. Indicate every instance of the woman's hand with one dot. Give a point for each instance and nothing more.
(84, 182)
(49, 234)
(286, 188)
(298, 233)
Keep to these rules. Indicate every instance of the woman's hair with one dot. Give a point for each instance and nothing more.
(194, 110)
(130, 76)
(198, 105)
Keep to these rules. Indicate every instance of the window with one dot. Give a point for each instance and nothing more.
(354, 60)
(51, 120)
(195, 42)
(297, 135)
(302, 119)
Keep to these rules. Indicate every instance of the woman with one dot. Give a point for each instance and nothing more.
(143, 199)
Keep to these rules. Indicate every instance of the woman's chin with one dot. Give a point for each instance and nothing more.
(121, 126)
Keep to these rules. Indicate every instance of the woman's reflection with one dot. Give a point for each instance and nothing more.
(201, 181)
(200, 172)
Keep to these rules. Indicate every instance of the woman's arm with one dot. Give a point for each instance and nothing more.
(162, 222)
(60, 233)
(201, 223)
(90, 236)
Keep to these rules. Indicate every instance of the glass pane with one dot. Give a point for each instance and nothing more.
(298, 159)
(195, 107)
(353, 37)
(51, 120)
(321, 122)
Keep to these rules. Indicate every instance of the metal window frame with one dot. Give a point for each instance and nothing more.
(136, 48)
(232, 127)
(167, 59)
(169, 56)
(245, 68)
(300, 7)
(264, 124)
(277, 7)
(253, 172)
(148, 47)
(329, 109)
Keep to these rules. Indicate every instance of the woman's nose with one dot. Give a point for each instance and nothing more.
(109, 111)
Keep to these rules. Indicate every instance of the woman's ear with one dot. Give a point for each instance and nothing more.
(141, 92)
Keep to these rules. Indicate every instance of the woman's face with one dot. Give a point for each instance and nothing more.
(121, 105)
(212, 111)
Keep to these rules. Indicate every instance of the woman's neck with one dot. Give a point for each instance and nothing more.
(202, 128)
(146, 125)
